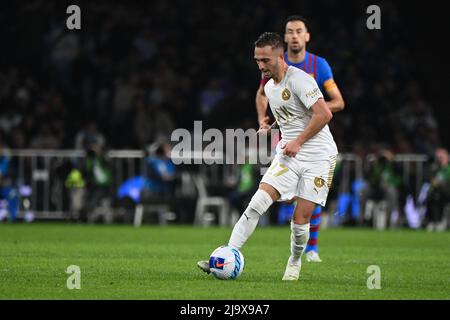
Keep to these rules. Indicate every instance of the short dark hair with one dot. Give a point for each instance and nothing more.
(270, 39)
(297, 18)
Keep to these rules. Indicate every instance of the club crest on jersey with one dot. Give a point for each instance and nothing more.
(319, 182)
(286, 94)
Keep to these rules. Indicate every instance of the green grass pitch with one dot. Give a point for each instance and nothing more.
(153, 262)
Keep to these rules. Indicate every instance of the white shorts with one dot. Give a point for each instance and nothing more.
(309, 180)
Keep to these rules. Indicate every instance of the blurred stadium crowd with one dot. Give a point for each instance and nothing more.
(138, 70)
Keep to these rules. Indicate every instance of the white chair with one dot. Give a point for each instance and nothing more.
(378, 211)
(204, 201)
(103, 210)
(161, 209)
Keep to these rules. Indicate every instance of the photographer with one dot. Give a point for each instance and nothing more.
(96, 172)
(384, 183)
(439, 192)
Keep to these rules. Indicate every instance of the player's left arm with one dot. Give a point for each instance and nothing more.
(336, 102)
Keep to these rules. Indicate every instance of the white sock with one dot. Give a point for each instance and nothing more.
(243, 229)
(299, 239)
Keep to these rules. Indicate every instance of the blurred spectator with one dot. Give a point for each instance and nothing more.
(383, 184)
(210, 97)
(18, 139)
(245, 187)
(145, 44)
(125, 91)
(158, 187)
(89, 135)
(439, 191)
(9, 119)
(150, 123)
(45, 138)
(75, 184)
(142, 123)
(8, 193)
(163, 123)
(63, 48)
(161, 170)
(97, 175)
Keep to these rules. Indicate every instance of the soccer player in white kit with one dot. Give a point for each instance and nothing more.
(306, 154)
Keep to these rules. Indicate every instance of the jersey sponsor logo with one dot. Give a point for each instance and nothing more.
(286, 94)
(319, 182)
(313, 93)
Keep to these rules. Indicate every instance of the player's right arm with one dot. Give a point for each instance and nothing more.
(321, 115)
(306, 89)
(262, 103)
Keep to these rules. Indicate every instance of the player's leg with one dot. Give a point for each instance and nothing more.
(312, 190)
(260, 202)
(299, 237)
(312, 249)
(243, 229)
(278, 183)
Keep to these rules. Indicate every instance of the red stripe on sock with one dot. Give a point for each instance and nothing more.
(312, 242)
(315, 216)
(314, 228)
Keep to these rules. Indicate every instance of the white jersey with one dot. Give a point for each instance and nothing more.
(290, 102)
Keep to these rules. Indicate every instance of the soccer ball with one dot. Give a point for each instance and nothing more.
(226, 263)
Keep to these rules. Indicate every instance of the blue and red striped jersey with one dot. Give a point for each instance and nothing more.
(315, 66)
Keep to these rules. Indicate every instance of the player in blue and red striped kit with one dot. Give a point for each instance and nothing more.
(296, 37)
